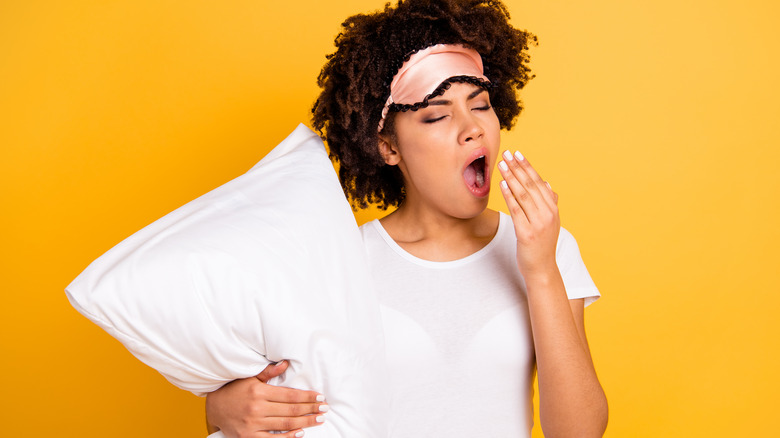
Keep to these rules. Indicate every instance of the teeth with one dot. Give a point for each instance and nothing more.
(475, 172)
(480, 180)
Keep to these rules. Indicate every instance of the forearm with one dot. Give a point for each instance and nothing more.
(572, 402)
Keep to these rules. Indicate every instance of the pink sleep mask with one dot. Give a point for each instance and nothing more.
(427, 69)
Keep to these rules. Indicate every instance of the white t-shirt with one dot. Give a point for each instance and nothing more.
(459, 343)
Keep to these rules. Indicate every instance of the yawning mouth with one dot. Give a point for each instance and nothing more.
(476, 173)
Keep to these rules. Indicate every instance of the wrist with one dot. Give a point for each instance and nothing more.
(541, 276)
(536, 268)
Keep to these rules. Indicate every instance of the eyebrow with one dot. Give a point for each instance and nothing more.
(474, 94)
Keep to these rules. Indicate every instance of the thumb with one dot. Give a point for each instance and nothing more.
(272, 370)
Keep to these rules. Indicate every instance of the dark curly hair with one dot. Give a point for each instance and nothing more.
(371, 48)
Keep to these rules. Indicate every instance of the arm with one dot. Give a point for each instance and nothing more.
(252, 408)
(572, 402)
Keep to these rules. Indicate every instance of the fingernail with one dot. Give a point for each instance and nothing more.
(320, 419)
(507, 155)
(324, 408)
(548, 185)
(502, 166)
(503, 184)
(299, 434)
(320, 398)
(519, 155)
(278, 364)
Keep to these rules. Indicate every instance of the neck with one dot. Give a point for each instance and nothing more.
(435, 236)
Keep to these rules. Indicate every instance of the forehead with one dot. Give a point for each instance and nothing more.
(459, 90)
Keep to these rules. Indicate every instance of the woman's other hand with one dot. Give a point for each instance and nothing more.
(534, 210)
(252, 408)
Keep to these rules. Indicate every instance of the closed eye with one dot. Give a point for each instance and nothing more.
(483, 108)
(433, 120)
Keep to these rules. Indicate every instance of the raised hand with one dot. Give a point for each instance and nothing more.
(534, 210)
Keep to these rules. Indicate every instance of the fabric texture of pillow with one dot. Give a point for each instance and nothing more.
(268, 266)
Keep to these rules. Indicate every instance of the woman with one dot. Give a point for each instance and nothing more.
(473, 301)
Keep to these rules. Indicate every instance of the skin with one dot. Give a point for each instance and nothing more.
(442, 220)
(572, 402)
(252, 408)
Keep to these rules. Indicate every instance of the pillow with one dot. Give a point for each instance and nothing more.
(269, 266)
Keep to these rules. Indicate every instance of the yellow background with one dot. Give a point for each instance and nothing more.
(656, 121)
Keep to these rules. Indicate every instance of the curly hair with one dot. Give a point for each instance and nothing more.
(371, 48)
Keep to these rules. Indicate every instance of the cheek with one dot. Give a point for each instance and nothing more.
(431, 170)
(494, 133)
(496, 124)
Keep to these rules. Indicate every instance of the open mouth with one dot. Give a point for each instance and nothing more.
(476, 173)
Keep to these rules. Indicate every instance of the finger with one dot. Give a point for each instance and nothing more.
(534, 180)
(527, 176)
(553, 195)
(290, 423)
(517, 213)
(273, 409)
(281, 394)
(518, 192)
(297, 433)
(272, 370)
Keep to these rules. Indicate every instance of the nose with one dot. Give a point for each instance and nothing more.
(470, 128)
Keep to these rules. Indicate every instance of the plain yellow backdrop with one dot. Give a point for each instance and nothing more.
(655, 121)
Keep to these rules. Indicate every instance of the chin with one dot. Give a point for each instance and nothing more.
(474, 208)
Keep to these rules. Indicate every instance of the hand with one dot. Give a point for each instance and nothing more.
(534, 209)
(252, 408)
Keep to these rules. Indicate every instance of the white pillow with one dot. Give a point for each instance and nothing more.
(268, 266)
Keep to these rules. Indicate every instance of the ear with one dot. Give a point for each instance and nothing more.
(389, 151)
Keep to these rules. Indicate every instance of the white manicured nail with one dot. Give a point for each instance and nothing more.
(503, 184)
(507, 155)
(519, 155)
(320, 419)
(299, 434)
(324, 408)
(503, 166)
(320, 398)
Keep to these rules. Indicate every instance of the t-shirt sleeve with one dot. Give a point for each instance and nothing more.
(575, 275)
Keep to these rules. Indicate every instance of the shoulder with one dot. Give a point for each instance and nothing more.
(368, 229)
(371, 235)
(565, 238)
(566, 242)
(576, 277)
(566, 247)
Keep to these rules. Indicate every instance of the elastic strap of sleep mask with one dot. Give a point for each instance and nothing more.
(427, 69)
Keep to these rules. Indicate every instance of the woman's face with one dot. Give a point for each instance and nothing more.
(447, 150)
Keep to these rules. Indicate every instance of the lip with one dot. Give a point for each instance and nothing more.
(479, 192)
